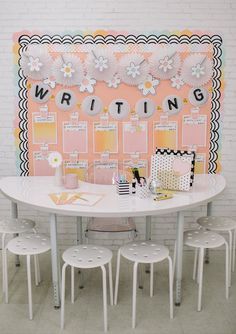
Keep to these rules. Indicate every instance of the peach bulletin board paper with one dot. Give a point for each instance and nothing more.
(162, 73)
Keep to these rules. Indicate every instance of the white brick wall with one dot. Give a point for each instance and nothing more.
(216, 16)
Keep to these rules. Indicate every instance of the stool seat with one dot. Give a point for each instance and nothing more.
(16, 225)
(29, 244)
(87, 256)
(203, 239)
(220, 224)
(144, 252)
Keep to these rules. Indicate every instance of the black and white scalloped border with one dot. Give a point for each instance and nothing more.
(215, 40)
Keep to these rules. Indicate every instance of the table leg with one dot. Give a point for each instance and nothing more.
(179, 256)
(14, 214)
(148, 236)
(209, 213)
(79, 233)
(56, 272)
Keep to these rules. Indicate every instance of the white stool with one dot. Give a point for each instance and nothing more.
(27, 244)
(224, 225)
(200, 240)
(147, 252)
(86, 257)
(11, 226)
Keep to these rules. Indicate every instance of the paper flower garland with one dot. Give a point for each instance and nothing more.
(164, 64)
(148, 86)
(113, 82)
(36, 62)
(133, 69)
(101, 64)
(177, 82)
(87, 84)
(68, 70)
(196, 70)
(55, 159)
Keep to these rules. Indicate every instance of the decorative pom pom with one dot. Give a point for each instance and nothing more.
(68, 70)
(36, 62)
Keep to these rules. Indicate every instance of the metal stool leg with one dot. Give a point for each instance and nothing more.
(110, 283)
(233, 256)
(104, 286)
(5, 268)
(200, 271)
(230, 255)
(134, 294)
(171, 286)
(72, 284)
(63, 295)
(151, 280)
(227, 270)
(195, 263)
(36, 270)
(3, 261)
(117, 277)
(29, 287)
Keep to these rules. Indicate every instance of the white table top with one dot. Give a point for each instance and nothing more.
(33, 191)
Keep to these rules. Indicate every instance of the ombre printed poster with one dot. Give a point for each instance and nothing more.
(109, 99)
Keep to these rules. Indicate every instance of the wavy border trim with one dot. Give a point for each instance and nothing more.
(215, 40)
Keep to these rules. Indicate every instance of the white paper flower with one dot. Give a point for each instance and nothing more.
(114, 82)
(177, 82)
(68, 70)
(196, 70)
(50, 83)
(164, 63)
(101, 64)
(36, 62)
(87, 84)
(148, 86)
(55, 159)
(133, 69)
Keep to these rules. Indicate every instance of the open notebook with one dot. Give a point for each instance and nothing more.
(75, 198)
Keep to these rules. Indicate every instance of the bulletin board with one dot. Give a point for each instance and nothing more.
(110, 99)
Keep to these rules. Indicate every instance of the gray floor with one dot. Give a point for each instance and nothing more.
(85, 316)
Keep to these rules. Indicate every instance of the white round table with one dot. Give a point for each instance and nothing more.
(34, 192)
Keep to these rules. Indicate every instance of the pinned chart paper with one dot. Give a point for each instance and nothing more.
(79, 167)
(105, 171)
(194, 130)
(141, 165)
(105, 137)
(75, 137)
(41, 165)
(165, 135)
(135, 137)
(200, 163)
(44, 128)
